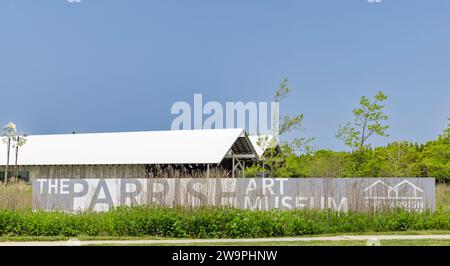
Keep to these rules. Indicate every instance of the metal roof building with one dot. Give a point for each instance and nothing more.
(72, 154)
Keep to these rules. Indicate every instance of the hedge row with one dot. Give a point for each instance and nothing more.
(213, 223)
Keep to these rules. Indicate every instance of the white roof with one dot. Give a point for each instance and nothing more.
(147, 147)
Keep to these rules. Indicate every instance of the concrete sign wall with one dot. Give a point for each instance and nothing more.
(339, 194)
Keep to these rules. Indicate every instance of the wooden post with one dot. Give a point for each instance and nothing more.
(232, 167)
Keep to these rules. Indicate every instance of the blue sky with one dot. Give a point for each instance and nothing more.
(116, 65)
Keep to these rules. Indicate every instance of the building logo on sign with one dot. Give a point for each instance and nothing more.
(404, 194)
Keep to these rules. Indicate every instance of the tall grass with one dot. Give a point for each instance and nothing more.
(443, 196)
(15, 196)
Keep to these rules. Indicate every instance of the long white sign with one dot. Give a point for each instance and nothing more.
(339, 194)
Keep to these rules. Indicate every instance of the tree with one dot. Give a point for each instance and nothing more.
(436, 157)
(446, 133)
(8, 134)
(274, 158)
(368, 122)
(399, 159)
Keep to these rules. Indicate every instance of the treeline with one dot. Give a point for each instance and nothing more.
(397, 159)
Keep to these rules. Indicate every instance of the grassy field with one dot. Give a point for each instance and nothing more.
(443, 196)
(18, 223)
(417, 242)
(15, 197)
(87, 238)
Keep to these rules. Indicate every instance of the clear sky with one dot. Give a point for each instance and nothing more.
(116, 65)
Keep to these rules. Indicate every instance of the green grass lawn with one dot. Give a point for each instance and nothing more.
(86, 238)
(416, 242)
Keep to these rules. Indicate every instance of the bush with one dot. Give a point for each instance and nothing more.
(213, 222)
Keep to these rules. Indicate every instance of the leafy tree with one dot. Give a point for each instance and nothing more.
(284, 124)
(368, 122)
(326, 164)
(276, 153)
(436, 157)
(446, 133)
(399, 159)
